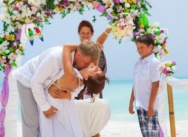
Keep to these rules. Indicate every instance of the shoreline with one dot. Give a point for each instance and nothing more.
(129, 129)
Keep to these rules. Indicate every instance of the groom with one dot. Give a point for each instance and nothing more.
(40, 72)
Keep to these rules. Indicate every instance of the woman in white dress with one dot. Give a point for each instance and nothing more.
(66, 122)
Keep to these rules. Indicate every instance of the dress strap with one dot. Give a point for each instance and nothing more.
(58, 86)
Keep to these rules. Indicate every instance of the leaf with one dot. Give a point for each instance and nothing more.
(14, 63)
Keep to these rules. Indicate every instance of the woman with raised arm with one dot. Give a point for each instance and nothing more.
(85, 32)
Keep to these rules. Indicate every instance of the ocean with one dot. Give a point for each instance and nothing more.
(118, 93)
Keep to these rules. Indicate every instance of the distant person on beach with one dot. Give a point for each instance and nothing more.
(145, 87)
(67, 121)
(36, 75)
(85, 32)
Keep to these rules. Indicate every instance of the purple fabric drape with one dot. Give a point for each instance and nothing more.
(101, 9)
(4, 99)
(18, 35)
(161, 134)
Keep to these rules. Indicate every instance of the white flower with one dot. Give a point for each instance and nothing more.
(72, 7)
(18, 25)
(5, 44)
(38, 14)
(12, 56)
(134, 13)
(7, 51)
(173, 68)
(155, 24)
(18, 52)
(10, 1)
(16, 15)
(26, 13)
(10, 28)
(1, 17)
(3, 57)
(127, 5)
(56, 2)
(109, 10)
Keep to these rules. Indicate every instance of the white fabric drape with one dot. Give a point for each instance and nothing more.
(175, 83)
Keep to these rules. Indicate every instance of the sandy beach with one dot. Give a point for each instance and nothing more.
(127, 129)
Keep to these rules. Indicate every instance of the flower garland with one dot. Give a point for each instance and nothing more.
(167, 67)
(126, 16)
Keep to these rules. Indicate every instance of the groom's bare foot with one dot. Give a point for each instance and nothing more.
(97, 135)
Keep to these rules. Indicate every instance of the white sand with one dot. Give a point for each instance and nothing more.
(127, 129)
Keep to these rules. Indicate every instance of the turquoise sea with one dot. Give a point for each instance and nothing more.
(118, 93)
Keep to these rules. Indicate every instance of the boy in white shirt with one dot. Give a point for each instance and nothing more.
(145, 87)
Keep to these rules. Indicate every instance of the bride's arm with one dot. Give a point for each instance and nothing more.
(67, 61)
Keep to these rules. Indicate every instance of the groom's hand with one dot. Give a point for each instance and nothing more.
(50, 112)
(59, 94)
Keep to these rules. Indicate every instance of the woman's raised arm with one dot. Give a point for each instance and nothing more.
(67, 60)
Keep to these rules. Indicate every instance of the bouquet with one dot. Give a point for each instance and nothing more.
(167, 67)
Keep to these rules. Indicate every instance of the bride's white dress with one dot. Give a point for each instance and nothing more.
(74, 118)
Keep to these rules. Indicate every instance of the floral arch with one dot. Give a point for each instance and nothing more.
(126, 17)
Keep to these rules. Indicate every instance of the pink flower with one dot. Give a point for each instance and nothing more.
(164, 42)
(33, 10)
(77, 5)
(165, 71)
(153, 35)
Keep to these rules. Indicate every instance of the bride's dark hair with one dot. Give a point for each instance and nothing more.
(94, 84)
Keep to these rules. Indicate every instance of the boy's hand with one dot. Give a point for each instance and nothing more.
(50, 112)
(131, 109)
(151, 112)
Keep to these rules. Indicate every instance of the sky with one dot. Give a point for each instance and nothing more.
(121, 57)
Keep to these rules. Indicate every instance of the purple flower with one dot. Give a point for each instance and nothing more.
(117, 1)
(15, 8)
(13, 46)
(162, 31)
(39, 19)
(173, 62)
(134, 33)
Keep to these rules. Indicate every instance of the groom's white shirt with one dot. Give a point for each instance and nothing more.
(40, 72)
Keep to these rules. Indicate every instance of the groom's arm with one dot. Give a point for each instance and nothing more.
(43, 72)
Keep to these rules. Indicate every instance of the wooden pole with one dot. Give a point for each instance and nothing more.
(171, 111)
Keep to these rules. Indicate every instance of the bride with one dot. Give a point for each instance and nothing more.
(83, 119)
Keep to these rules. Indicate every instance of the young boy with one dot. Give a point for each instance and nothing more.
(145, 88)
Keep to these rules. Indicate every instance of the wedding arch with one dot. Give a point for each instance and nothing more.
(126, 18)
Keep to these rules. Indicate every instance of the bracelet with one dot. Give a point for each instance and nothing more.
(109, 26)
(106, 32)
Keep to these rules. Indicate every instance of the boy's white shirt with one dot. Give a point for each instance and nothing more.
(145, 72)
(41, 78)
